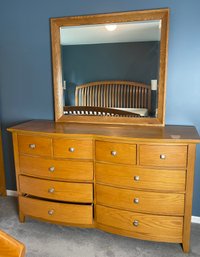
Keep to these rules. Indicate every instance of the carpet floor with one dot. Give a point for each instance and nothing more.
(48, 240)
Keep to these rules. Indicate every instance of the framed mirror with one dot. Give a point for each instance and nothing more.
(110, 68)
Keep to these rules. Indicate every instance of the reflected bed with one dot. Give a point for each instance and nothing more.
(111, 98)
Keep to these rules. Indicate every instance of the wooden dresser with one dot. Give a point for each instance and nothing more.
(133, 181)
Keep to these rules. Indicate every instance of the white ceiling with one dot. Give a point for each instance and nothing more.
(125, 32)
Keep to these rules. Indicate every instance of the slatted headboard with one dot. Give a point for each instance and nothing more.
(118, 94)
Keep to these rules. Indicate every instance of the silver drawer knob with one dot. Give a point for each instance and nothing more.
(136, 178)
(136, 223)
(162, 156)
(51, 212)
(136, 200)
(71, 149)
(32, 146)
(51, 190)
(52, 169)
(113, 153)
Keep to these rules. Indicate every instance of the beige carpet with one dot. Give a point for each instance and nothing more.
(48, 240)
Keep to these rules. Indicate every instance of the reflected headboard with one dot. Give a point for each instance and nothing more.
(114, 94)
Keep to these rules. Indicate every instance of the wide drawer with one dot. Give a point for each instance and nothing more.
(150, 202)
(61, 191)
(71, 148)
(115, 152)
(163, 155)
(151, 227)
(56, 169)
(35, 145)
(56, 212)
(141, 178)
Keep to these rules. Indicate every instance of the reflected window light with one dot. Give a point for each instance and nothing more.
(111, 27)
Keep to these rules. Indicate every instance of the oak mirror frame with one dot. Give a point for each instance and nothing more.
(161, 15)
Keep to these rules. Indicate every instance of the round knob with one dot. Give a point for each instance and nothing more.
(136, 200)
(71, 149)
(162, 156)
(136, 178)
(51, 190)
(113, 153)
(51, 212)
(136, 223)
(32, 146)
(51, 169)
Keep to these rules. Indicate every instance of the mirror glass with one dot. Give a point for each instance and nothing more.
(111, 69)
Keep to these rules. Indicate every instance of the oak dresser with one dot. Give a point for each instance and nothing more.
(134, 181)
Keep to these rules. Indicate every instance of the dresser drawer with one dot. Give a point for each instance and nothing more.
(140, 178)
(35, 145)
(56, 169)
(75, 149)
(163, 155)
(56, 212)
(151, 202)
(115, 152)
(61, 191)
(151, 227)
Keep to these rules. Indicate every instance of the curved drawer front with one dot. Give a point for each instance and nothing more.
(115, 152)
(151, 227)
(56, 169)
(35, 145)
(56, 212)
(61, 191)
(71, 148)
(141, 178)
(163, 155)
(150, 202)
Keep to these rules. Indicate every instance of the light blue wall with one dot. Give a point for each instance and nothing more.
(25, 63)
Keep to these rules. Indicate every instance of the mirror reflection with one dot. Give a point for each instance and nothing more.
(111, 69)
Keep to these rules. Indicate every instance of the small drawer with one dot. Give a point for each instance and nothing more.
(140, 178)
(115, 152)
(146, 226)
(75, 149)
(35, 145)
(56, 212)
(163, 155)
(61, 191)
(140, 201)
(56, 169)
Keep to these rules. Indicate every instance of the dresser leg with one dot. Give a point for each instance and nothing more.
(186, 247)
(21, 217)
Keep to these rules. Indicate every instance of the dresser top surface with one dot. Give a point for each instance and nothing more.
(169, 132)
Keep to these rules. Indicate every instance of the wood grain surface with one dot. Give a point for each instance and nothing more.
(150, 227)
(10, 247)
(167, 134)
(115, 152)
(141, 201)
(56, 168)
(35, 145)
(148, 179)
(58, 212)
(163, 155)
(73, 149)
(57, 190)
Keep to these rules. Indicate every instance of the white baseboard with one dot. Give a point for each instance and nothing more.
(194, 219)
(11, 193)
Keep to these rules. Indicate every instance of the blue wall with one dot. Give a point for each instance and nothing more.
(25, 63)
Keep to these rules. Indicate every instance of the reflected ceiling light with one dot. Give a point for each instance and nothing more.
(111, 27)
